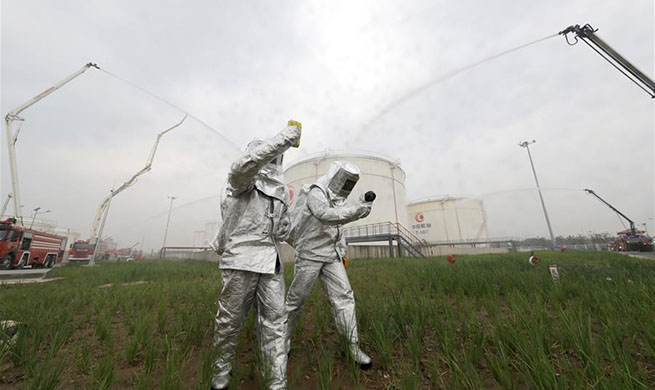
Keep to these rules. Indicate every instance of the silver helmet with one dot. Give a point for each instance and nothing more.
(340, 179)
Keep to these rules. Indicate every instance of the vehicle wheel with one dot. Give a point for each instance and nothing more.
(6, 262)
(51, 262)
(21, 264)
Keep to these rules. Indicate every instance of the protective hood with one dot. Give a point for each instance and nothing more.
(340, 180)
(270, 179)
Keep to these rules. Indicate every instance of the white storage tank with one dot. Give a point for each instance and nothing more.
(379, 173)
(448, 219)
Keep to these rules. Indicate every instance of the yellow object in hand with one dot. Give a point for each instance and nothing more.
(299, 126)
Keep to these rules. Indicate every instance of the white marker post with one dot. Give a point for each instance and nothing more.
(553, 272)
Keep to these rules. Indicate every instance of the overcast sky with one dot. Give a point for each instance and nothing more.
(246, 67)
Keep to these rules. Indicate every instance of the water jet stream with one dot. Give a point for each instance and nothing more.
(416, 91)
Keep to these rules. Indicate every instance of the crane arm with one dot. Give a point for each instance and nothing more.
(105, 202)
(633, 231)
(13, 114)
(588, 35)
(11, 137)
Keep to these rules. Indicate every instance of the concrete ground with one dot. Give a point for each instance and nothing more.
(19, 276)
(642, 255)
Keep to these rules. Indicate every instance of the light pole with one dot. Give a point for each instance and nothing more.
(36, 211)
(526, 145)
(170, 208)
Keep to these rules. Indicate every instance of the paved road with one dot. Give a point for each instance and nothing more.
(642, 255)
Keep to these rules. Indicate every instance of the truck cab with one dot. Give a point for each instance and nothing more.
(82, 251)
(21, 247)
(10, 239)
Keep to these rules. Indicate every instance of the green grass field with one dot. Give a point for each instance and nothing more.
(488, 321)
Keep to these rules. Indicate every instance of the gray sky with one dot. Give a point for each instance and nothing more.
(245, 68)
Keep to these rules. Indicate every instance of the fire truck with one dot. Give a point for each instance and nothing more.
(83, 251)
(123, 254)
(21, 247)
(630, 239)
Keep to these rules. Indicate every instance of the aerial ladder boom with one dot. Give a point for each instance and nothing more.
(105, 203)
(588, 35)
(633, 231)
(12, 138)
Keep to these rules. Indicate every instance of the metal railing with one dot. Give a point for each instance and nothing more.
(375, 229)
(474, 241)
(389, 231)
(182, 251)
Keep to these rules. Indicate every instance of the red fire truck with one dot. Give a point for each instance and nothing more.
(632, 240)
(629, 239)
(21, 247)
(83, 251)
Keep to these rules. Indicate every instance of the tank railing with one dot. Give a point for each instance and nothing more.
(411, 235)
(413, 244)
(182, 249)
(469, 241)
(380, 228)
(374, 229)
(410, 247)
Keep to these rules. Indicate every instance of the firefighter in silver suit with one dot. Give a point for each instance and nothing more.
(316, 234)
(254, 210)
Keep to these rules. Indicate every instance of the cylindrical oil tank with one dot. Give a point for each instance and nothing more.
(379, 173)
(448, 219)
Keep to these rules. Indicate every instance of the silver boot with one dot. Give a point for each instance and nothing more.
(360, 357)
(220, 382)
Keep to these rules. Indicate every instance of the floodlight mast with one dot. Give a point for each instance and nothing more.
(588, 35)
(104, 206)
(12, 138)
(526, 145)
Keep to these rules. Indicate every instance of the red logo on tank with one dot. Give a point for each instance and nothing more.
(419, 217)
(292, 193)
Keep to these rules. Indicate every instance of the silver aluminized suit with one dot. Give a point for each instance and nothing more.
(316, 219)
(254, 210)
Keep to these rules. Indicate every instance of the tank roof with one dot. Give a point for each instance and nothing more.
(330, 153)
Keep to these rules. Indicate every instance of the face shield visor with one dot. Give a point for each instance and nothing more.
(342, 178)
